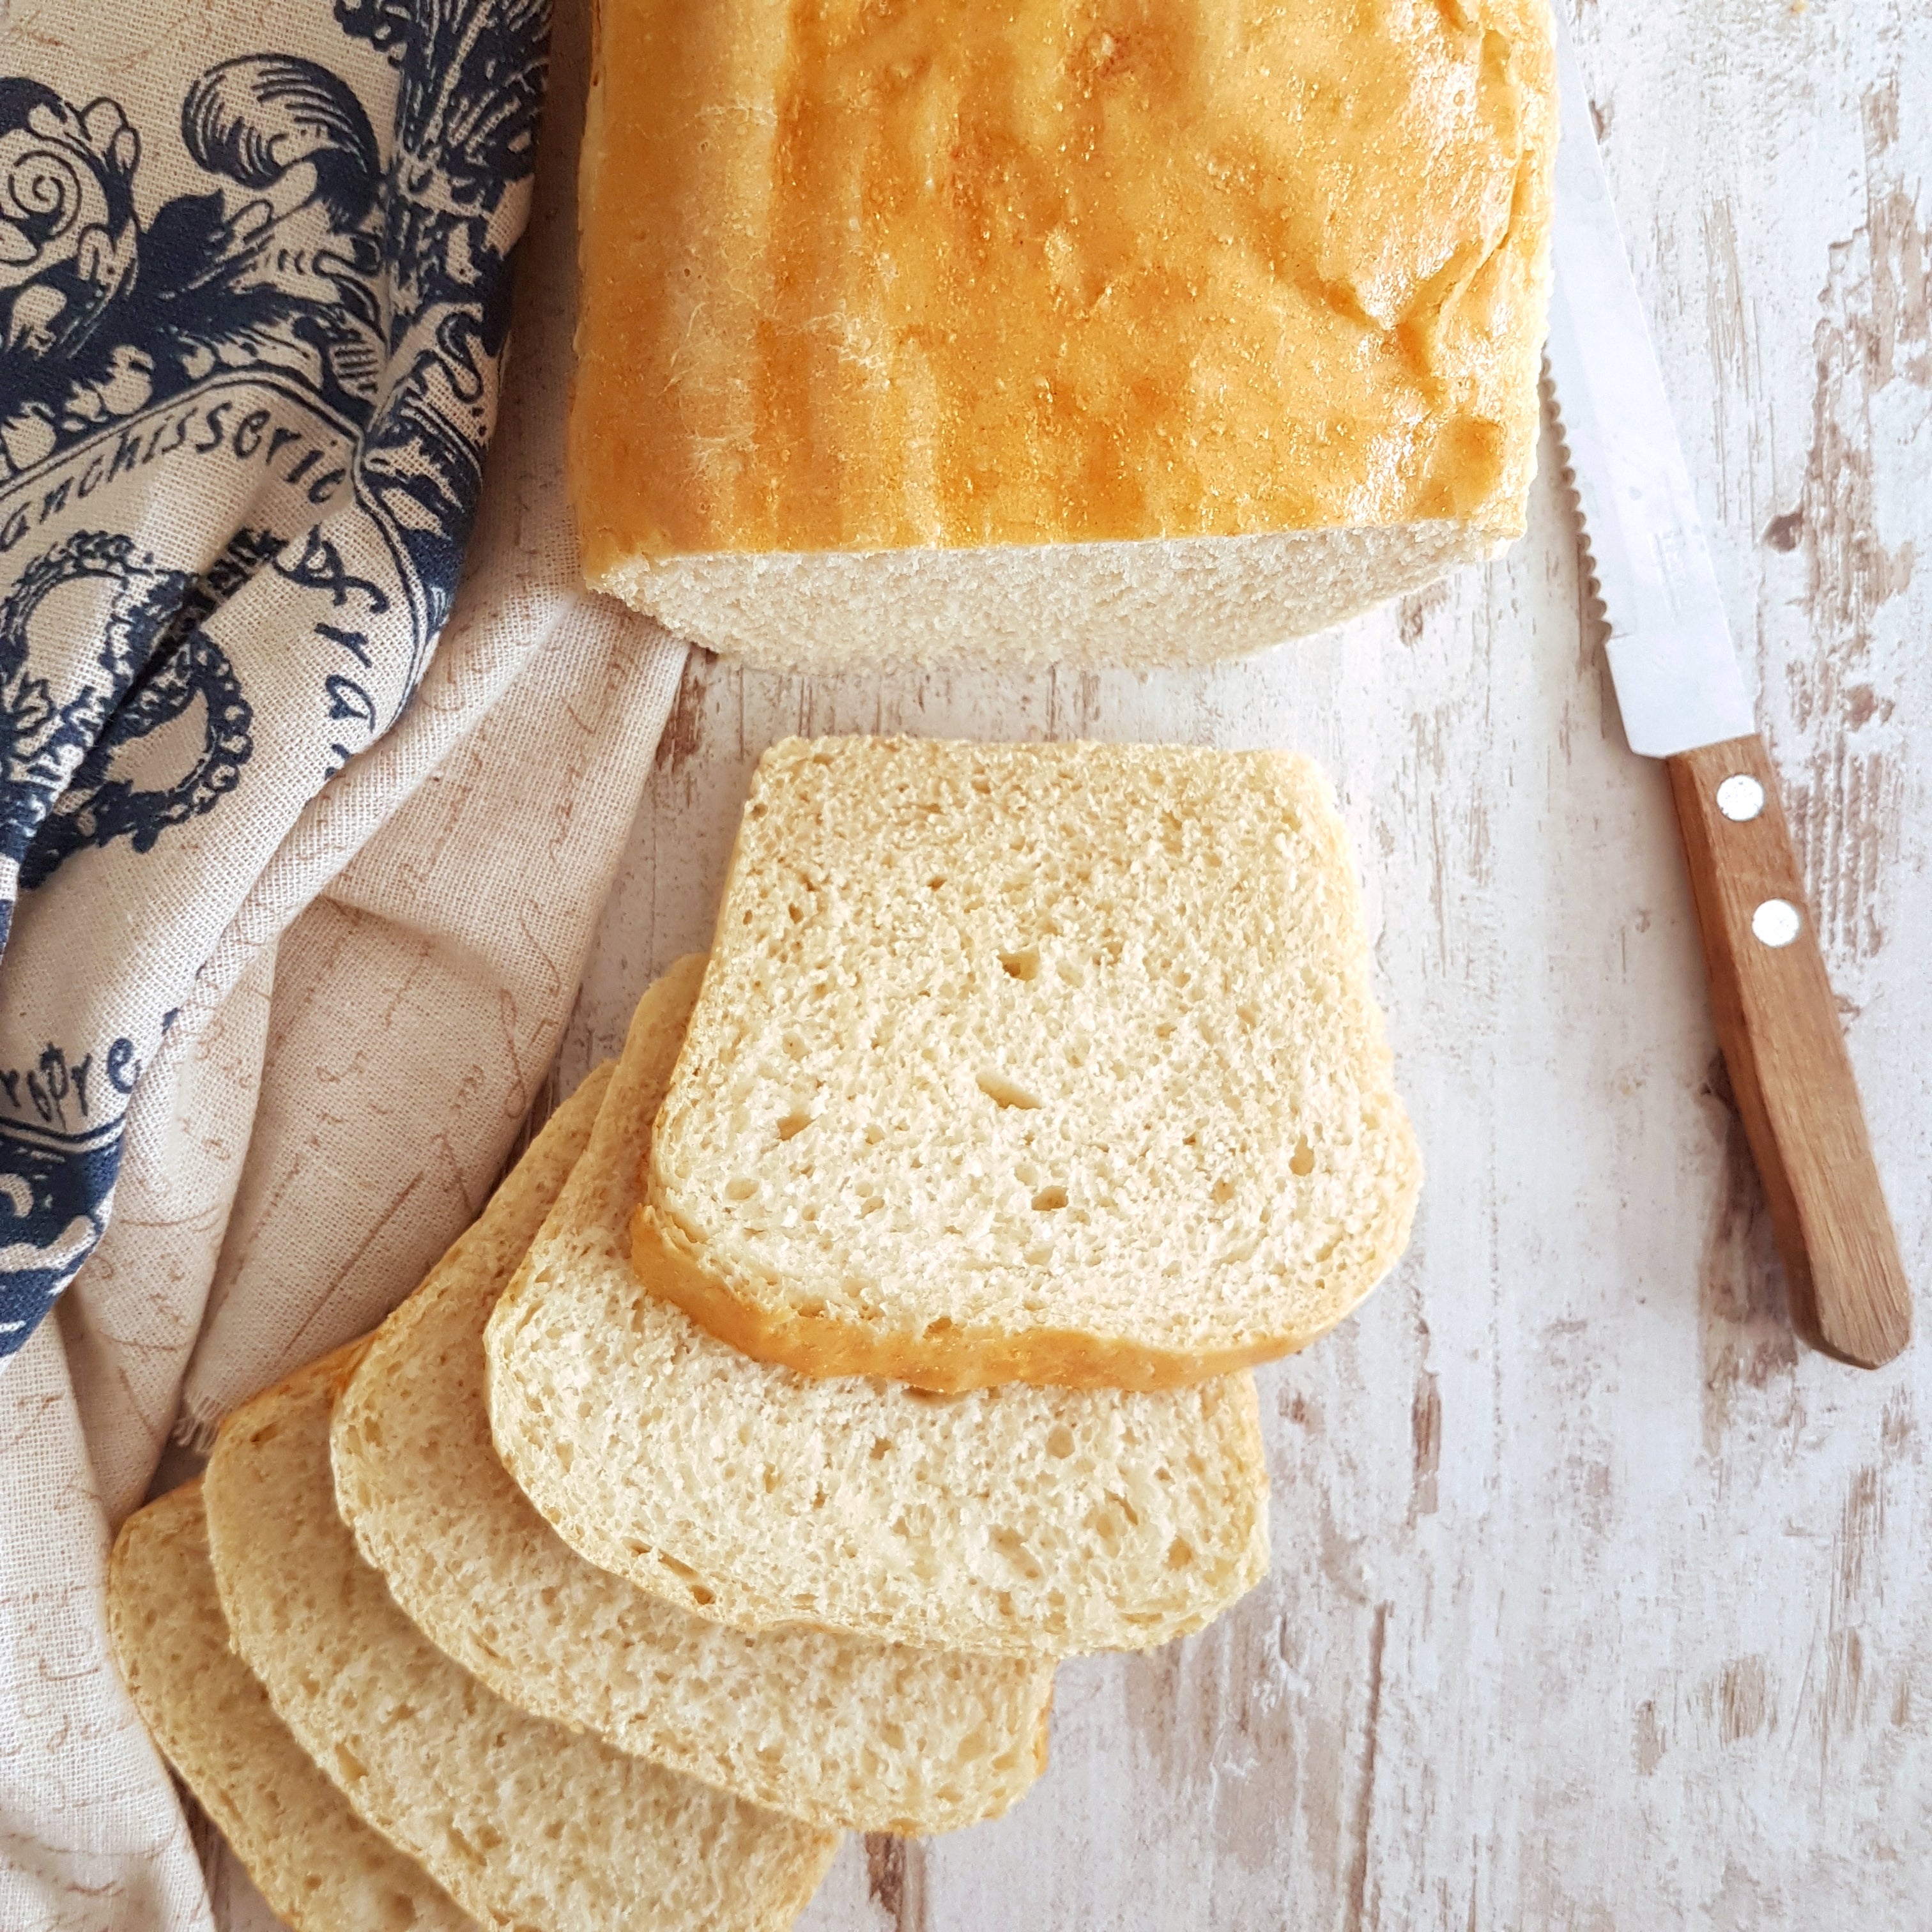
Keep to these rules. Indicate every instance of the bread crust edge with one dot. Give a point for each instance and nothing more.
(825, 1345)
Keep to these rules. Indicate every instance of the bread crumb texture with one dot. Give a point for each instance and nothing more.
(1054, 1063)
(1159, 602)
(320, 1868)
(1044, 271)
(1016, 1520)
(841, 1731)
(522, 1822)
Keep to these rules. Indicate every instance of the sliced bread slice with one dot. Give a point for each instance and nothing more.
(838, 1730)
(522, 1822)
(1014, 1520)
(318, 1865)
(1052, 1063)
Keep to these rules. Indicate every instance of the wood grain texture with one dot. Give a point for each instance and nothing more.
(1598, 1602)
(1784, 1049)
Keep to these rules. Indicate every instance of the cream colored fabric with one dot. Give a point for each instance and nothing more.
(331, 1105)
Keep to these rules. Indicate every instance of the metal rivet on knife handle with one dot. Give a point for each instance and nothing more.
(1777, 922)
(1741, 798)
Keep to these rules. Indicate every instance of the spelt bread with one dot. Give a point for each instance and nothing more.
(320, 1868)
(837, 1730)
(1014, 1520)
(1045, 331)
(1055, 1063)
(522, 1822)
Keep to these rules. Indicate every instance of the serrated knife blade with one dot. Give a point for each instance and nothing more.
(1670, 651)
(1683, 700)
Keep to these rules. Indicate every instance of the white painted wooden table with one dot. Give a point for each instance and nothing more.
(1596, 1602)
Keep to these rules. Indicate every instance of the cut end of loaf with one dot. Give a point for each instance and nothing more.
(1139, 604)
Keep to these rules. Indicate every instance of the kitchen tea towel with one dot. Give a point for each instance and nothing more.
(304, 844)
(254, 303)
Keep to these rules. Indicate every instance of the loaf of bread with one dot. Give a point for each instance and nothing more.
(521, 1821)
(1014, 1520)
(1055, 1063)
(1054, 331)
(837, 1730)
(320, 1868)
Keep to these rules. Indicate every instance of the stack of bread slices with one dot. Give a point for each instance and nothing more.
(872, 1334)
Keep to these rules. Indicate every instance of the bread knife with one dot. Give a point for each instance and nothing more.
(1683, 700)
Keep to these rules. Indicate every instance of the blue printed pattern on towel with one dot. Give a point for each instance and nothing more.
(248, 370)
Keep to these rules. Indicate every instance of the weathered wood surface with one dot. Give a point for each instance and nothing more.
(1596, 1603)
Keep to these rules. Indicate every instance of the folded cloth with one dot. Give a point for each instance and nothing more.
(339, 1007)
(255, 286)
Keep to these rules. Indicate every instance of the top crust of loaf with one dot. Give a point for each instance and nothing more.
(1019, 1521)
(318, 1866)
(1052, 1063)
(992, 274)
(840, 1731)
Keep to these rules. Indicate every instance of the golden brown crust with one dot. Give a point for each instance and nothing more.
(1062, 270)
(962, 1358)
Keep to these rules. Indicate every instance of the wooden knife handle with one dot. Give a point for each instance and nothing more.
(1779, 1028)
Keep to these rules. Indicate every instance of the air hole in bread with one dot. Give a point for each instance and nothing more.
(933, 884)
(1302, 1161)
(1048, 1198)
(1012, 1547)
(882, 1448)
(1024, 964)
(793, 1124)
(1222, 1191)
(1060, 1440)
(351, 1766)
(1005, 1093)
(740, 1190)
(1180, 1553)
